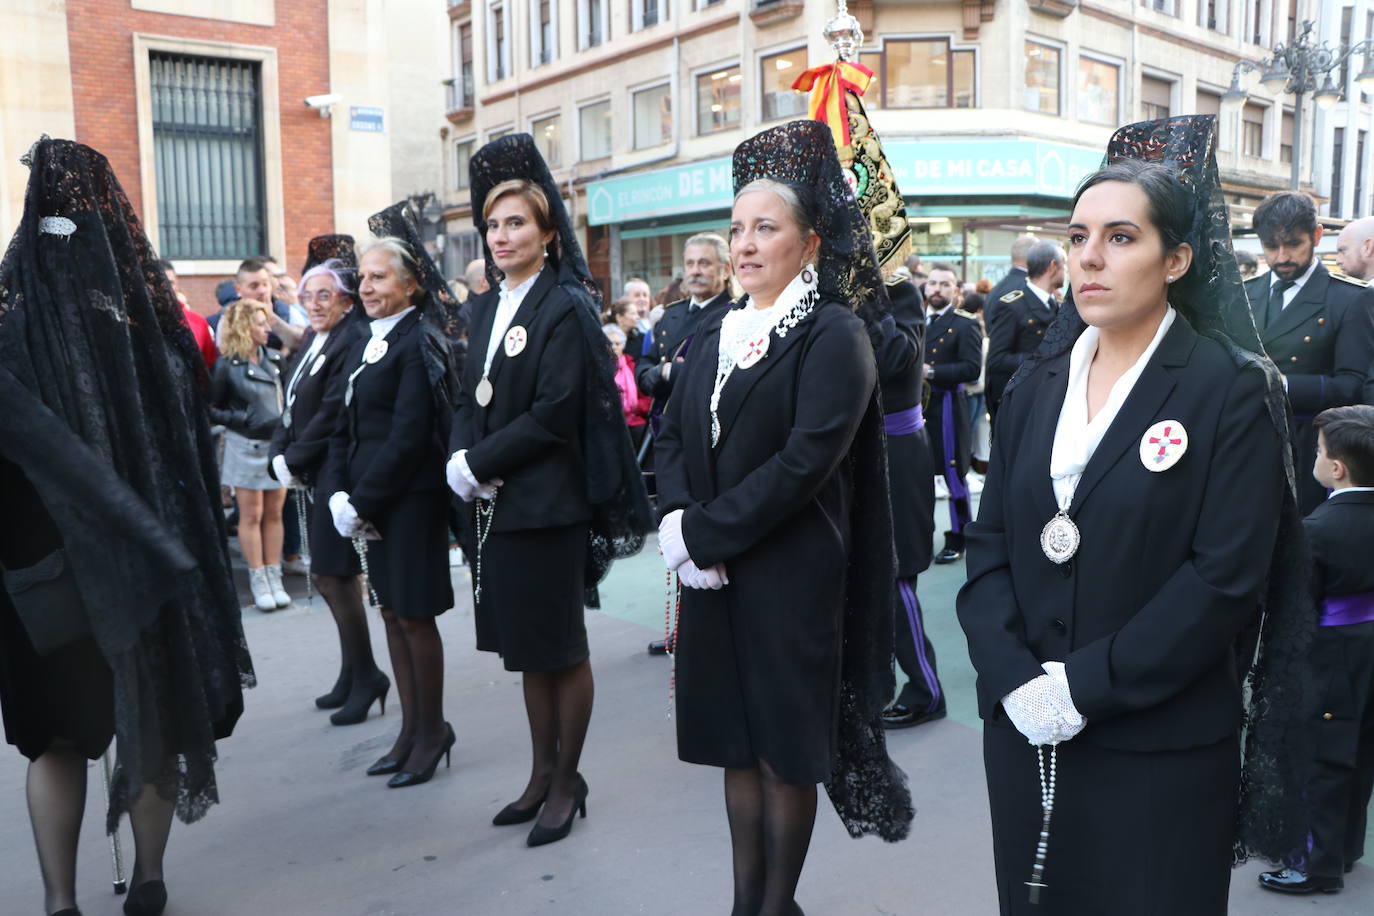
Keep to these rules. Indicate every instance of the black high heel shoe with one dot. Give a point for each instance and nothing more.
(406, 778)
(338, 694)
(359, 702)
(513, 815)
(386, 766)
(541, 835)
(148, 899)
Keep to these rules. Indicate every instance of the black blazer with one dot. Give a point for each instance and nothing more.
(530, 435)
(899, 349)
(1171, 564)
(386, 442)
(315, 400)
(674, 326)
(1341, 532)
(1015, 328)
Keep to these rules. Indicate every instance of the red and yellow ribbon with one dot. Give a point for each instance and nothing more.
(827, 85)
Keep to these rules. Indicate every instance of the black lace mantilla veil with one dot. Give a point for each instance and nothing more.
(866, 787)
(441, 314)
(1272, 819)
(621, 515)
(102, 410)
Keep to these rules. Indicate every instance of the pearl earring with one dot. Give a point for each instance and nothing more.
(1169, 279)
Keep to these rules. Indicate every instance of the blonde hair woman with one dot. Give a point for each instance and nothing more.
(246, 398)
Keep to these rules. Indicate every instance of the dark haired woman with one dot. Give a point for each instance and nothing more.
(541, 458)
(314, 393)
(769, 457)
(1118, 561)
(386, 473)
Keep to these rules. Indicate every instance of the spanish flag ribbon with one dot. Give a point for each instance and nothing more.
(827, 85)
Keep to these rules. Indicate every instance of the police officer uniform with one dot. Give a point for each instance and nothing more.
(954, 350)
(1321, 336)
(1015, 328)
(675, 326)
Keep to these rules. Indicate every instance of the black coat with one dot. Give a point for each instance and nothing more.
(1341, 533)
(759, 662)
(314, 400)
(899, 350)
(386, 443)
(1171, 564)
(530, 435)
(1323, 343)
(677, 323)
(1015, 328)
(246, 397)
(1012, 279)
(954, 350)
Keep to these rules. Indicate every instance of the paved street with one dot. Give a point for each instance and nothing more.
(301, 830)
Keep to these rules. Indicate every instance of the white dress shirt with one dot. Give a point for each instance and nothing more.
(506, 308)
(1292, 292)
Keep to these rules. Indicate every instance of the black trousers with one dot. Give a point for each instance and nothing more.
(1134, 833)
(1342, 776)
(915, 654)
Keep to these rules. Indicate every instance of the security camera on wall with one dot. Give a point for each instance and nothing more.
(323, 103)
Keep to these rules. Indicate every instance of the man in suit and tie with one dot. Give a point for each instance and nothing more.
(1017, 323)
(1318, 329)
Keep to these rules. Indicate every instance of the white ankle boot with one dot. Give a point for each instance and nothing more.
(262, 589)
(279, 594)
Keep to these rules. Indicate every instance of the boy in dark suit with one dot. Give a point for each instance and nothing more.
(1341, 532)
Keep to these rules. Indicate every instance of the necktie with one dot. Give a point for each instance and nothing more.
(1275, 305)
(1053, 305)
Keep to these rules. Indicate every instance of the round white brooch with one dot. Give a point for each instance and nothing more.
(516, 338)
(317, 365)
(376, 349)
(754, 350)
(1163, 445)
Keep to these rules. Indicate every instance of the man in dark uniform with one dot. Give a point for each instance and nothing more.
(1015, 278)
(1317, 328)
(706, 278)
(954, 358)
(1017, 324)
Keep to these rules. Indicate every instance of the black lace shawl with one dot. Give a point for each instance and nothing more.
(621, 515)
(867, 788)
(1272, 820)
(441, 314)
(96, 354)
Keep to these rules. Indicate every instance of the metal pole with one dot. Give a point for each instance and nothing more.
(1296, 178)
(116, 853)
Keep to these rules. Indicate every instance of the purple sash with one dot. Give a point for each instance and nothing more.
(904, 422)
(1344, 610)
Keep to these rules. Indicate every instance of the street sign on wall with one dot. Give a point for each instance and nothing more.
(924, 168)
(365, 118)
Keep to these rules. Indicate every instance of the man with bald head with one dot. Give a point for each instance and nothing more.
(476, 276)
(1355, 249)
(1015, 278)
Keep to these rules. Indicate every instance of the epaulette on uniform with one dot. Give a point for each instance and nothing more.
(971, 316)
(1349, 279)
(1011, 296)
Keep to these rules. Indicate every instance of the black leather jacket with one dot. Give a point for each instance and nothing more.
(246, 397)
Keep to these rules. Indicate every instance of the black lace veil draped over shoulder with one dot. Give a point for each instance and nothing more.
(1272, 819)
(620, 507)
(441, 314)
(103, 411)
(866, 787)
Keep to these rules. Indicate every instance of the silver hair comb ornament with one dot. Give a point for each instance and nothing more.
(56, 225)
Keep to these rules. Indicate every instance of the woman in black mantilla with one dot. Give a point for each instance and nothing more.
(542, 461)
(314, 391)
(1138, 557)
(104, 430)
(772, 480)
(386, 473)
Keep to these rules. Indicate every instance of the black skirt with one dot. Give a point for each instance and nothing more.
(408, 567)
(531, 611)
(330, 553)
(1134, 833)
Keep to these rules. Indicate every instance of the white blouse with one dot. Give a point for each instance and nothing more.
(505, 314)
(1076, 437)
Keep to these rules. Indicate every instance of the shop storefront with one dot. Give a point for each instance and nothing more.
(967, 199)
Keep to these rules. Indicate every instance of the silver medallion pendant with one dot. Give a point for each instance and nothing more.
(1059, 538)
(484, 391)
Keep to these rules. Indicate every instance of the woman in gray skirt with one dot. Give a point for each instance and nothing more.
(246, 398)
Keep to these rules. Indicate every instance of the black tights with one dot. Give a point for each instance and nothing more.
(56, 791)
(417, 662)
(559, 707)
(770, 830)
(357, 666)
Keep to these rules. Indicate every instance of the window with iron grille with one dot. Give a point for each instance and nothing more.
(207, 142)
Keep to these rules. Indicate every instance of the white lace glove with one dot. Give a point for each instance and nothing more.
(284, 475)
(346, 520)
(670, 541)
(1042, 711)
(460, 479)
(713, 577)
(1075, 720)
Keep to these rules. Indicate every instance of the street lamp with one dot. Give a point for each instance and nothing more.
(1295, 67)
